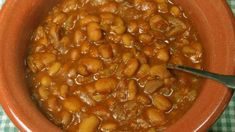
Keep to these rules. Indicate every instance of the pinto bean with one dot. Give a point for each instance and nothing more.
(105, 51)
(161, 102)
(105, 85)
(43, 92)
(143, 70)
(74, 54)
(94, 31)
(54, 68)
(143, 99)
(89, 124)
(46, 80)
(92, 65)
(89, 19)
(152, 85)
(72, 104)
(132, 89)
(108, 126)
(131, 67)
(159, 70)
(155, 116)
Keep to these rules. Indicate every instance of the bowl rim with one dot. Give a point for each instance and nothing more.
(6, 104)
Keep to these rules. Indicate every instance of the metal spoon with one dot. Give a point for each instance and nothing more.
(227, 80)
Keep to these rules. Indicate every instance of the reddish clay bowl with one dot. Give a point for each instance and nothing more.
(212, 19)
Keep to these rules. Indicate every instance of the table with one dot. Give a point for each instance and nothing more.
(226, 122)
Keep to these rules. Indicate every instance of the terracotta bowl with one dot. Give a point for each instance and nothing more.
(18, 18)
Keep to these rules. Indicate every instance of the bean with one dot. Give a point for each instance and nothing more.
(53, 32)
(149, 51)
(48, 58)
(69, 22)
(144, 27)
(74, 54)
(106, 21)
(115, 49)
(98, 97)
(41, 44)
(101, 111)
(34, 64)
(59, 18)
(89, 19)
(108, 126)
(93, 65)
(175, 59)
(105, 85)
(158, 23)
(118, 27)
(79, 36)
(159, 70)
(82, 70)
(94, 52)
(64, 90)
(132, 90)
(131, 67)
(39, 33)
(132, 27)
(54, 68)
(169, 81)
(163, 55)
(69, 5)
(116, 38)
(141, 58)
(66, 117)
(90, 88)
(128, 40)
(89, 124)
(143, 99)
(145, 38)
(188, 50)
(163, 7)
(107, 18)
(126, 57)
(94, 32)
(64, 43)
(143, 70)
(43, 92)
(105, 51)
(152, 86)
(53, 103)
(72, 104)
(155, 116)
(161, 102)
(86, 99)
(175, 11)
(46, 81)
(85, 47)
(197, 47)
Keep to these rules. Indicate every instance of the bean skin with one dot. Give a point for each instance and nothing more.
(131, 67)
(93, 31)
(89, 124)
(105, 85)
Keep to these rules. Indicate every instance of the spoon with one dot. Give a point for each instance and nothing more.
(227, 80)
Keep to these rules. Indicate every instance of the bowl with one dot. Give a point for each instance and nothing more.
(212, 19)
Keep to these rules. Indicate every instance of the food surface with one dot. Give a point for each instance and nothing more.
(100, 65)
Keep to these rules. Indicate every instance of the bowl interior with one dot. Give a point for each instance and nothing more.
(216, 33)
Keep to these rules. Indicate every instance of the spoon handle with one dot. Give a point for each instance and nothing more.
(227, 80)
